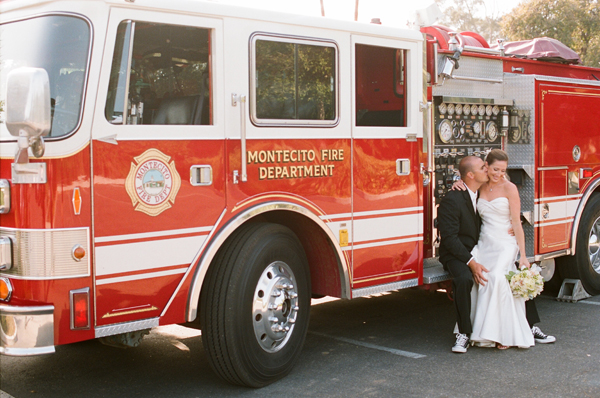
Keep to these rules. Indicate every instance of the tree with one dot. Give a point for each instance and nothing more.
(470, 15)
(575, 23)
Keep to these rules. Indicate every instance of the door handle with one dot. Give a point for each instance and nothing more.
(201, 175)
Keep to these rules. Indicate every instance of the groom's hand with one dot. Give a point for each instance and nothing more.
(477, 270)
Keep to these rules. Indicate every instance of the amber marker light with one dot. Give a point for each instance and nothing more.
(78, 252)
(80, 308)
(5, 289)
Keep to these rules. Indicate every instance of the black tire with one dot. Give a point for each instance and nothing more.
(259, 258)
(585, 264)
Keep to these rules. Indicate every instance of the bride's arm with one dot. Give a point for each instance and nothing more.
(515, 216)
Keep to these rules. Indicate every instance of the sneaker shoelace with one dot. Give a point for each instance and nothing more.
(461, 339)
(537, 332)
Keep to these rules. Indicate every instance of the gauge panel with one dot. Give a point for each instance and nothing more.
(450, 109)
(445, 131)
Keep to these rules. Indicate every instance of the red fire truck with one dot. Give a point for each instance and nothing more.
(202, 164)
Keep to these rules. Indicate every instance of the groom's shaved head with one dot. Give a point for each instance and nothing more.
(468, 163)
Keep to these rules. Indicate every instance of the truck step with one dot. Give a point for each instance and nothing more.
(434, 272)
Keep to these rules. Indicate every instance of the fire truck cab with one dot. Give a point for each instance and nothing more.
(215, 166)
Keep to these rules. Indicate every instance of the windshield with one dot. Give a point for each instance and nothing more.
(59, 44)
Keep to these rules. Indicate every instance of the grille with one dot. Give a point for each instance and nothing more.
(46, 253)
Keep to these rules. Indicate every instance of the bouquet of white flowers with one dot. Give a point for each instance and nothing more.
(526, 283)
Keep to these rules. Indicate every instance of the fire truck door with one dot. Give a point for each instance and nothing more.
(387, 186)
(158, 169)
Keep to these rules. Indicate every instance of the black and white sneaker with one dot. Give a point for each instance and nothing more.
(462, 343)
(540, 337)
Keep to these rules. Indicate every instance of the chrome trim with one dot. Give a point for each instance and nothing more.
(553, 168)
(110, 330)
(548, 256)
(10, 288)
(26, 330)
(232, 225)
(478, 101)
(127, 71)
(285, 122)
(576, 220)
(4, 196)
(478, 79)
(482, 50)
(87, 69)
(434, 78)
(367, 291)
(46, 253)
(85, 290)
(566, 80)
(189, 269)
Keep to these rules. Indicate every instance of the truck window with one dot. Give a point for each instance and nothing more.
(294, 82)
(380, 86)
(60, 45)
(160, 75)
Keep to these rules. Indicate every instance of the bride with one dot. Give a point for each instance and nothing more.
(497, 316)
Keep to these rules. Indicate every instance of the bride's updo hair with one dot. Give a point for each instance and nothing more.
(496, 155)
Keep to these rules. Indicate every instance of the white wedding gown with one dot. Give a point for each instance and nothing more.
(497, 316)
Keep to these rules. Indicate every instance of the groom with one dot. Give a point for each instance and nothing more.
(458, 224)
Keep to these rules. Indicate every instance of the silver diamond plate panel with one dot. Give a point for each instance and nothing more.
(473, 67)
(435, 274)
(521, 88)
(431, 262)
(126, 327)
(367, 291)
(46, 253)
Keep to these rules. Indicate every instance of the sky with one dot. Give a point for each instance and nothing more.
(390, 12)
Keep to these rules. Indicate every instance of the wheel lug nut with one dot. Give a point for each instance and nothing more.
(273, 319)
(276, 293)
(291, 320)
(272, 306)
(293, 295)
(295, 308)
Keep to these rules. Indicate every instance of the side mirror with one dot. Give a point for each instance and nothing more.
(28, 109)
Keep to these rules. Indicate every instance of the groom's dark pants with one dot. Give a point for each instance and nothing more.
(462, 283)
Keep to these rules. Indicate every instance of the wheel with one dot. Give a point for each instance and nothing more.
(585, 264)
(255, 305)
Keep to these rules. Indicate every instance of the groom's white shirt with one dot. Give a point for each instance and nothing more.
(473, 196)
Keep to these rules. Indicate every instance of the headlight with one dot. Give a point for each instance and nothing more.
(6, 253)
(4, 196)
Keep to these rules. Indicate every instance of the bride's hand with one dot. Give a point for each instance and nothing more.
(459, 185)
(524, 263)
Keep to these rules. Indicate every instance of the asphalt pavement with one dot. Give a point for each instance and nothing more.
(393, 345)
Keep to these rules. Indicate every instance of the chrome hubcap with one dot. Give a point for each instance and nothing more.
(594, 245)
(275, 306)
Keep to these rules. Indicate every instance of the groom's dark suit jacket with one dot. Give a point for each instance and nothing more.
(458, 225)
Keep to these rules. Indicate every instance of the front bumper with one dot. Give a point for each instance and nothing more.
(26, 330)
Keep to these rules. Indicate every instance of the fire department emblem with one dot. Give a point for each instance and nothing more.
(153, 182)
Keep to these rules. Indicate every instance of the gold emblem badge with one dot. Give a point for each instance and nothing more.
(153, 182)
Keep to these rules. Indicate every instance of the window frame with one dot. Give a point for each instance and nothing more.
(412, 84)
(104, 130)
(7, 138)
(291, 39)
